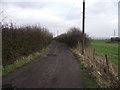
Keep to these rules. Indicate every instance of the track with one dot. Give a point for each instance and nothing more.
(56, 69)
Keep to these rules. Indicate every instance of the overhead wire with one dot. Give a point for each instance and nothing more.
(68, 13)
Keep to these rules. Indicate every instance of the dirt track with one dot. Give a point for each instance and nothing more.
(56, 69)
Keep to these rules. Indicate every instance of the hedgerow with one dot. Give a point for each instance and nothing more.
(73, 37)
(22, 41)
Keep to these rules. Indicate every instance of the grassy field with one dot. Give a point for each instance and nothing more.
(102, 47)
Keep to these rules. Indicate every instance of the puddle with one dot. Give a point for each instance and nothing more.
(51, 54)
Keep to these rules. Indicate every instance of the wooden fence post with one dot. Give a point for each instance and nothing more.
(106, 58)
(93, 53)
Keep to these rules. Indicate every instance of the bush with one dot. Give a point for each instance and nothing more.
(22, 41)
(73, 37)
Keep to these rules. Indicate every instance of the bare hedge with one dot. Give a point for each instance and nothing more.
(22, 41)
(73, 37)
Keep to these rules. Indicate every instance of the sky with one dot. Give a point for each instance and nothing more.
(58, 16)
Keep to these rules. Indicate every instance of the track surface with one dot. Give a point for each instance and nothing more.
(56, 69)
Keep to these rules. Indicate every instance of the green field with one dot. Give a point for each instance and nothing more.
(102, 47)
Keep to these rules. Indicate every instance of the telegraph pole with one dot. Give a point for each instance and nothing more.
(83, 27)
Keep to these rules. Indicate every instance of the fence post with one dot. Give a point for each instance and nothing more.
(106, 58)
(93, 53)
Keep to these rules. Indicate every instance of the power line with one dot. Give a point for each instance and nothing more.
(70, 9)
(69, 12)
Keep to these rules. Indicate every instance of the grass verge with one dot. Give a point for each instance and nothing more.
(89, 81)
(20, 62)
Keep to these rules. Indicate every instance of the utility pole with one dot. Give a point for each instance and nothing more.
(83, 27)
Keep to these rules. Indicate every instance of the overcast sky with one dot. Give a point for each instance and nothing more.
(60, 15)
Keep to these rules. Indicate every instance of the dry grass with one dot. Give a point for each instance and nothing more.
(106, 76)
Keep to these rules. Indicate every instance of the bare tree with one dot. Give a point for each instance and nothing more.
(3, 17)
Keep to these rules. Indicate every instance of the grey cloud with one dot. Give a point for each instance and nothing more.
(96, 25)
(23, 4)
(103, 7)
(37, 5)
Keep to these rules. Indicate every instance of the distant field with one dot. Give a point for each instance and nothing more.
(103, 47)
